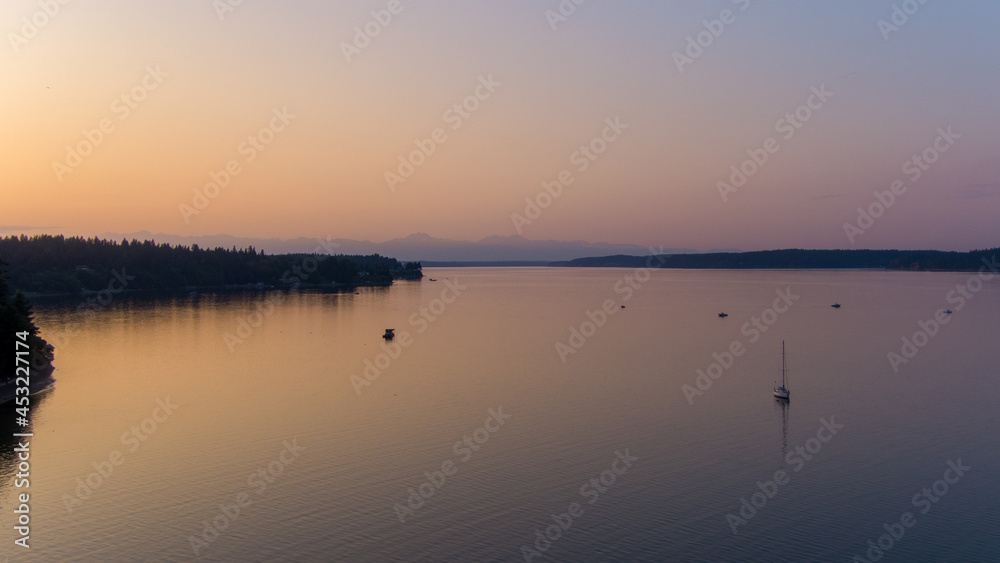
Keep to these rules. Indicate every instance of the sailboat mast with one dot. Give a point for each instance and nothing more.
(783, 384)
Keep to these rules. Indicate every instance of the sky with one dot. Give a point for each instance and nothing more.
(719, 124)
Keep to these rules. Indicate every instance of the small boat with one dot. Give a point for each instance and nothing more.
(390, 333)
(947, 311)
(431, 279)
(836, 305)
(723, 315)
(781, 391)
(623, 306)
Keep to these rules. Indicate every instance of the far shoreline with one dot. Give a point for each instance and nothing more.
(613, 267)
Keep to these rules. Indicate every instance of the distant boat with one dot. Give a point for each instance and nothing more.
(947, 311)
(836, 305)
(431, 279)
(390, 333)
(723, 315)
(781, 391)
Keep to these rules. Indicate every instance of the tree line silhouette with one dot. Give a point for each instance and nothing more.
(16, 317)
(803, 259)
(72, 265)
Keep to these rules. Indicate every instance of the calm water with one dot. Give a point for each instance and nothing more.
(245, 405)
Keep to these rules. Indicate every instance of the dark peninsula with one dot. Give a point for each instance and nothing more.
(17, 328)
(73, 265)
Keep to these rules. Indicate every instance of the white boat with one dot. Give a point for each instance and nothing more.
(781, 391)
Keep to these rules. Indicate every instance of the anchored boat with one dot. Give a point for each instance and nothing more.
(781, 391)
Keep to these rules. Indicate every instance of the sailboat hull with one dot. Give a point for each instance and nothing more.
(781, 391)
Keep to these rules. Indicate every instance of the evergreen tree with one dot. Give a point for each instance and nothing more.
(24, 314)
(16, 316)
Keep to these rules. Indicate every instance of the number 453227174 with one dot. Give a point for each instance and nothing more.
(23, 374)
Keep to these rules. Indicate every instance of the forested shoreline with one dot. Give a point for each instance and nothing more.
(17, 319)
(919, 260)
(47, 264)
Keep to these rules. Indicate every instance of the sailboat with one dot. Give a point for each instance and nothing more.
(781, 391)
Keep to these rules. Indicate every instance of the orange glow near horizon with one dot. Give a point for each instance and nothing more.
(221, 80)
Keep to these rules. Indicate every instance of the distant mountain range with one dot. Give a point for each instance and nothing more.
(418, 247)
